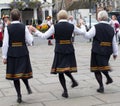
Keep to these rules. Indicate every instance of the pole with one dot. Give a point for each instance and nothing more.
(90, 16)
(61, 4)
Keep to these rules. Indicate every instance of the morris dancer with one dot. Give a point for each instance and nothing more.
(64, 59)
(15, 53)
(104, 44)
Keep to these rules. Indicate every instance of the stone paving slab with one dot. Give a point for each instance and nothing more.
(47, 89)
(27, 99)
(83, 101)
(112, 104)
(109, 98)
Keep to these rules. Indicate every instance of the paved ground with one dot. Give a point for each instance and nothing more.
(46, 88)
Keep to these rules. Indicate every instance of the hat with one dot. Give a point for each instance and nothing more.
(48, 17)
(5, 16)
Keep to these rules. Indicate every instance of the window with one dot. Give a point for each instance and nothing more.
(17, 0)
(26, 0)
(23, 0)
(46, 13)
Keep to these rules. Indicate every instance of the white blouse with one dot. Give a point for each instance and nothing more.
(28, 39)
(91, 33)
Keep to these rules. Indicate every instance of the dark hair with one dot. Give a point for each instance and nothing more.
(15, 15)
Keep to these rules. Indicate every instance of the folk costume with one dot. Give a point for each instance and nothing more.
(103, 45)
(64, 59)
(14, 49)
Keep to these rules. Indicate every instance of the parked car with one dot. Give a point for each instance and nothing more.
(87, 22)
(116, 13)
(109, 19)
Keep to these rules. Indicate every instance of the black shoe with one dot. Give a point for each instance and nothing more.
(29, 91)
(100, 90)
(109, 81)
(65, 94)
(19, 100)
(75, 84)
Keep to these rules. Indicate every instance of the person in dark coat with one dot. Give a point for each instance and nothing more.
(103, 46)
(15, 53)
(64, 59)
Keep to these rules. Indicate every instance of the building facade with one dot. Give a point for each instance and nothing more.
(46, 7)
(4, 7)
(51, 7)
(30, 9)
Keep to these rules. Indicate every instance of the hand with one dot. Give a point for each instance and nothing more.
(8, 22)
(31, 28)
(4, 61)
(82, 22)
(114, 57)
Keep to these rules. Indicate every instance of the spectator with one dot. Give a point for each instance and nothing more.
(1, 32)
(114, 23)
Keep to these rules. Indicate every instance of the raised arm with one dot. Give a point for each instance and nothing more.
(28, 36)
(47, 34)
(81, 30)
(91, 33)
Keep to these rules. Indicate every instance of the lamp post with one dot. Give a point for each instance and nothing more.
(90, 16)
(61, 4)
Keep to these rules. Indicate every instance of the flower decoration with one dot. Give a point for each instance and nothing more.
(43, 27)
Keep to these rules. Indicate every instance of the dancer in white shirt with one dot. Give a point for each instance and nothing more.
(103, 46)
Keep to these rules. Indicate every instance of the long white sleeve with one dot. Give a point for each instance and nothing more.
(80, 30)
(90, 33)
(28, 36)
(5, 44)
(47, 34)
(28, 39)
(115, 46)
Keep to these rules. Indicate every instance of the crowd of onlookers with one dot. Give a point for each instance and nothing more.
(114, 21)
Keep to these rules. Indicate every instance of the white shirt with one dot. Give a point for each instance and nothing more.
(91, 33)
(49, 22)
(51, 30)
(72, 22)
(28, 39)
(112, 23)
